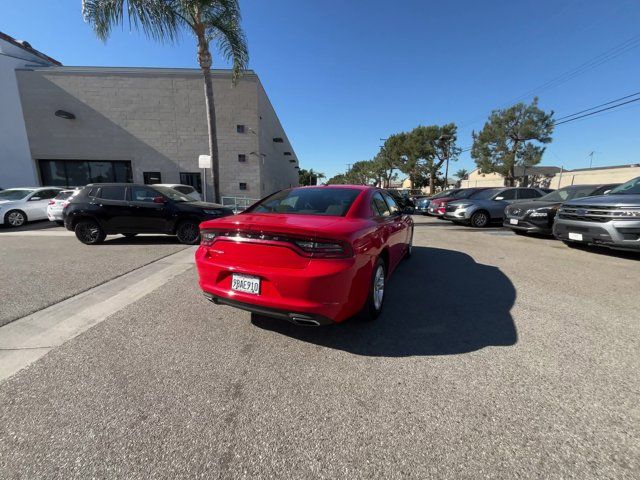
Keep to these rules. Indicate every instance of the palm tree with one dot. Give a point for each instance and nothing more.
(162, 20)
(462, 174)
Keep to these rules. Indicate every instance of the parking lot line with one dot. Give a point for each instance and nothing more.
(25, 340)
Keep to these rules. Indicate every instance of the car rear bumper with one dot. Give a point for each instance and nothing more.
(326, 290)
(621, 234)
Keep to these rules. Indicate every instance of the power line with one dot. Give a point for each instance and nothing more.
(597, 111)
(598, 106)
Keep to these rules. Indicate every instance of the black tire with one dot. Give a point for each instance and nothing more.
(129, 235)
(89, 232)
(188, 232)
(480, 219)
(373, 307)
(15, 218)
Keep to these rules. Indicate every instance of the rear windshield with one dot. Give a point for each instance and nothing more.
(64, 195)
(308, 201)
(473, 192)
(185, 190)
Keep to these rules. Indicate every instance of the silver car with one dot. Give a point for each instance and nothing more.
(21, 205)
(488, 205)
(612, 220)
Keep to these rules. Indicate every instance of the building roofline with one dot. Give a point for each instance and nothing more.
(91, 70)
(629, 165)
(28, 48)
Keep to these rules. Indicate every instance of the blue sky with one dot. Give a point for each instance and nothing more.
(344, 73)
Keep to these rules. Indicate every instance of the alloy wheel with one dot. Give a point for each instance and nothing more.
(188, 233)
(15, 219)
(378, 288)
(480, 219)
(89, 232)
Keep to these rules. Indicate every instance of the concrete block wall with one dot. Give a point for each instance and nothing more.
(156, 118)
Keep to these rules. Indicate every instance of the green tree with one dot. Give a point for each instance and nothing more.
(512, 137)
(361, 173)
(339, 179)
(309, 177)
(462, 174)
(209, 21)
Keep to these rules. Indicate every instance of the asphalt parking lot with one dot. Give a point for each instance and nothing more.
(497, 356)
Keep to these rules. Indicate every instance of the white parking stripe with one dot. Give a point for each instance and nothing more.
(25, 340)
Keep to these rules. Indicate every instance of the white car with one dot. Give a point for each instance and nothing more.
(56, 206)
(21, 205)
(187, 190)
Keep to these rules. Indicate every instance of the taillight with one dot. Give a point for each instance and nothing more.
(52, 202)
(207, 237)
(307, 247)
(325, 248)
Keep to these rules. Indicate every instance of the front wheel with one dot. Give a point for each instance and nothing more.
(15, 218)
(480, 219)
(375, 300)
(188, 233)
(89, 232)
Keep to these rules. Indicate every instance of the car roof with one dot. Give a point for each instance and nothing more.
(32, 189)
(357, 187)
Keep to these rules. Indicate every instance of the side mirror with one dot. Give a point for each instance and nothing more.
(159, 200)
(34, 199)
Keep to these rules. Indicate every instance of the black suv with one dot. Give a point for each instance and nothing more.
(101, 209)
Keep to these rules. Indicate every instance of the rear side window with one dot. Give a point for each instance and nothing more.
(393, 206)
(309, 201)
(143, 194)
(528, 193)
(507, 195)
(379, 206)
(112, 193)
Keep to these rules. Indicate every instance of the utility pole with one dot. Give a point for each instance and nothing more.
(591, 159)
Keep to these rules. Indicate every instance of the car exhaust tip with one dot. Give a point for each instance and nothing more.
(305, 322)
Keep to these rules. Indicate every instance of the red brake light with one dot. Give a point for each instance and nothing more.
(325, 248)
(52, 202)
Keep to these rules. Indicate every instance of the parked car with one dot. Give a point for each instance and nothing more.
(102, 209)
(611, 220)
(21, 205)
(309, 255)
(488, 205)
(537, 215)
(56, 205)
(422, 203)
(188, 190)
(403, 200)
(438, 206)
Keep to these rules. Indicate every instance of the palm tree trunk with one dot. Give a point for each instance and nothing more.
(204, 59)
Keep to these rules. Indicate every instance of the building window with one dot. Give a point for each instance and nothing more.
(242, 157)
(77, 173)
(278, 140)
(288, 154)
(151, 178)
(240, 128)
(192, 179)
(243, 186)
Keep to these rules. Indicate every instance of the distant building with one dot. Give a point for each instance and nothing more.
(146, 125)
(555, 177)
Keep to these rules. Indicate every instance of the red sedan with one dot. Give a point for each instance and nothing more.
(309, 255)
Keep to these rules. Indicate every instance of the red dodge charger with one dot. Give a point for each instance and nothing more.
(309, 255)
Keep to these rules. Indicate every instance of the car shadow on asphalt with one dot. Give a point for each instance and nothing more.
(142, 240)
(439, 302)
(31, 226)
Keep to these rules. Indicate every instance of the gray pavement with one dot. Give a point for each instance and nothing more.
(497, 356)
(42, 266)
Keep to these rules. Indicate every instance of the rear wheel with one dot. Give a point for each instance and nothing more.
(480, 219)
(188, 233)
(375, 300)
(15, 218)
(89, 232)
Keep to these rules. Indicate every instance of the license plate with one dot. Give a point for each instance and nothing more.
(513, 221)
(246, 284)
(575, 236)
